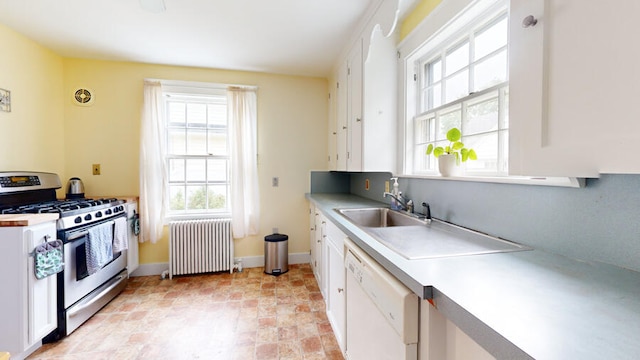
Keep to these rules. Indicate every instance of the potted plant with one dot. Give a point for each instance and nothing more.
(452, 155)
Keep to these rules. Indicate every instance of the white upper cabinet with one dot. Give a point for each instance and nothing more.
(366, 97)
(354, 108)
(573, 81)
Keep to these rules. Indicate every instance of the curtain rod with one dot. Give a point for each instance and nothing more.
(201, 84)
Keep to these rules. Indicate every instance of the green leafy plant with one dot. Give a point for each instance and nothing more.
(455, 147)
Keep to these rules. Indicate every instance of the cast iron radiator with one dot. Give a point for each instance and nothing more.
(200, 246)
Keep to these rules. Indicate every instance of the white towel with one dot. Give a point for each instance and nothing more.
(120, 236)
(99, 246)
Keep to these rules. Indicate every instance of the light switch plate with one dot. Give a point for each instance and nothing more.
(95, 168)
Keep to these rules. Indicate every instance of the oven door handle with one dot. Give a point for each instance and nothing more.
(77, 235)
(80, 234)
(97, 297)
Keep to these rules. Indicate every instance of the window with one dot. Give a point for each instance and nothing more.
(461, 80)
(198, 161)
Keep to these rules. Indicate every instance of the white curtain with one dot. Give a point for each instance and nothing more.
(245, 197)
(153, 192)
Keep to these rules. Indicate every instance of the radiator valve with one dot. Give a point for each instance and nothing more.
(164, 274)
(238, 265)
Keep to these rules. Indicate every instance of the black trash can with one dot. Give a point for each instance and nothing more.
(276, 254)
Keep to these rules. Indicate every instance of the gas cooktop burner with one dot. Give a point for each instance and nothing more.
(35, 192)
(63, 207)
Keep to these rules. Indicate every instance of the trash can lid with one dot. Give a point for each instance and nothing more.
(276, 237)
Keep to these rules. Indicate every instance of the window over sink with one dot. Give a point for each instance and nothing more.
(461, 80)
(455, 70)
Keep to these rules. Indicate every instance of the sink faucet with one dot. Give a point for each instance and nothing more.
(406, 205)
(427, 211)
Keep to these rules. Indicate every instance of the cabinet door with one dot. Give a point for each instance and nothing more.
(378, 128)
(341, 118)
(317, 246)
(354, 121)
(332, 133)
(312, 236)
(336, 308)
(573, 84)
(441, 339)
(42, 292)
(133, 260)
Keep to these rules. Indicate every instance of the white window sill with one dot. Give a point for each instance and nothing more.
(520, 180)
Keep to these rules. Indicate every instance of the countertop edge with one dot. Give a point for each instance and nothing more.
(13, 220)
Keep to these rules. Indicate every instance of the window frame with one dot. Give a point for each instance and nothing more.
(447, 20)
(207, 95)
(427, 107)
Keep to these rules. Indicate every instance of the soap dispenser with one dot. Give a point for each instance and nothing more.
(395, 204)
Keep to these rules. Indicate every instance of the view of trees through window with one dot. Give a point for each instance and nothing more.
(198, 153)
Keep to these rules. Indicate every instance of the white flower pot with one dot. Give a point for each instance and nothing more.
(447, 165)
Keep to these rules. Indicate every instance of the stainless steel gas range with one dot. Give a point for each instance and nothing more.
(82, 290)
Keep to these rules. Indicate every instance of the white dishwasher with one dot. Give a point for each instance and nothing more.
(382, 313)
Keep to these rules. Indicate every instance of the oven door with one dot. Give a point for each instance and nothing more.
(77, 282)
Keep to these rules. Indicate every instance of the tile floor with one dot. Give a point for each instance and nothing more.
(247, 315)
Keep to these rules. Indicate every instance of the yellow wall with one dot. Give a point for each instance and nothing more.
(47, 132)
(31, 135)
(292, 128)
(424, 8)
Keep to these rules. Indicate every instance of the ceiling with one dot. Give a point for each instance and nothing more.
(297, 37)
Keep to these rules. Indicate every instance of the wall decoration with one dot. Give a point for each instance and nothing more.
(5, 100)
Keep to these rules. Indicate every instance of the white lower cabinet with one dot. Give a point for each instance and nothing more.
(327, 262)
(440, 339)
(336, 294)
(27, 304)
(316, 220)
(312, 237)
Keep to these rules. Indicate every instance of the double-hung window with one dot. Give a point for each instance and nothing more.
(462, 81)
(198, 160)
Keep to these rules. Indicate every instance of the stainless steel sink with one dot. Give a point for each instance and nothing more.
(380, 217)
(416, 238)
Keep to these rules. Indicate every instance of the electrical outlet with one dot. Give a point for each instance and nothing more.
(96, 169)
(386, 186)
(275, 181)
(275, 230)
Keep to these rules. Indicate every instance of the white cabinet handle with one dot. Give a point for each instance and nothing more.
(529, 21)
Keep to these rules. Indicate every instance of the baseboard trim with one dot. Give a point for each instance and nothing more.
(150, 269)
(247, 262)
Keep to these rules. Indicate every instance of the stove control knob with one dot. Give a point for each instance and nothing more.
(77, 220)
(87, 217)
(108, 212)
(99, 214)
